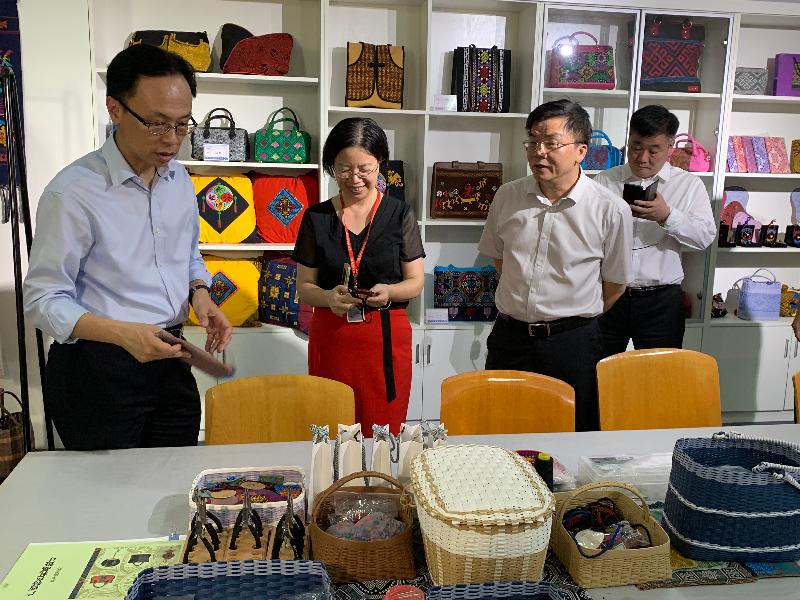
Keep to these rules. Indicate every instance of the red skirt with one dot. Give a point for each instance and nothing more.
(373, 357)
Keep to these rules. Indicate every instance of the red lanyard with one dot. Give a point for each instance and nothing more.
(355, 262)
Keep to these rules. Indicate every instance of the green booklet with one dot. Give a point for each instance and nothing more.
(84, 570)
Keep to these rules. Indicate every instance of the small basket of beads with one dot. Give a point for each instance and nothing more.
(363, 532)
(606, 538)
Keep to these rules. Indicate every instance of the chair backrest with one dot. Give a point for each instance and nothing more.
(658, 388)
(275, 408)
(796, 380)
(488, 402)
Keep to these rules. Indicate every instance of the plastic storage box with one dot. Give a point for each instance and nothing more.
(649, 473)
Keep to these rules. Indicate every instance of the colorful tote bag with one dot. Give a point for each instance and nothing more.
(391, 179)
(481, 79)
(278, 298)
(280, 201)
(466, 292)
(192, 46)
(225, 204)
(374, 75)
(582, 66)
(671, 55)
(601, 156)
(464, 190)
(234, 288)
(272, 144)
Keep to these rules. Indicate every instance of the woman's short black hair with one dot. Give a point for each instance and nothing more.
(144, 60)
(578, 122)
(653, 120)
(360, 132)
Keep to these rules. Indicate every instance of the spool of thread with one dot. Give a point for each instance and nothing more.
(544, 467)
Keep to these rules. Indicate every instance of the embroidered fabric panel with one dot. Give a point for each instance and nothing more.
(220, 204)
(284, 206)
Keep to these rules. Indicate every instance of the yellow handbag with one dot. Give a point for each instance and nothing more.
(192, 46)
(234, 288)
(794, 160)
(790, 297)
(225, 205)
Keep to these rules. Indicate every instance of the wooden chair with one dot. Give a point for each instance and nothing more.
(796, 380)
(658, 388)
(486, 402)
(275, 408)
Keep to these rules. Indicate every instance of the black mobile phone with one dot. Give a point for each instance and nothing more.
(632, 192)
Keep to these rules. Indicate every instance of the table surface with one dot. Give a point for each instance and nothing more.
(140, 493)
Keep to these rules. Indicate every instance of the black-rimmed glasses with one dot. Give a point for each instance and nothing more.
(548, 145)
(157, 128)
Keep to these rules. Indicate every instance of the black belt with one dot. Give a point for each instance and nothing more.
(176, 330)
(649, 290)
(544, 329)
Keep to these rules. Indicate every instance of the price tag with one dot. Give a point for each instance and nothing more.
(219, 152)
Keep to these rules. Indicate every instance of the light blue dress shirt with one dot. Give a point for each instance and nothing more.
(106, 244)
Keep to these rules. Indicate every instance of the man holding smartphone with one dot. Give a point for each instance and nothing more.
(670, 208)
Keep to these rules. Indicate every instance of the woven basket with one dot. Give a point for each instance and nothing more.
(270, 512)
(484, 512)
(509, 590)
(620, 566)
(272, 579)
(718, 509)
(352, 560)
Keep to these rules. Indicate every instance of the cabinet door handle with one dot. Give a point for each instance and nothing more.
(416, 360)
(428, 354)
(786, 349)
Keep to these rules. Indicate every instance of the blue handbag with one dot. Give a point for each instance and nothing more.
(600, 157)
(760, 297)
(467, 292)
(732, 498)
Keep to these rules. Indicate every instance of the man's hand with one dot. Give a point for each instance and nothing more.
(143, 343)
(340, 300)
(216, 324)
(656, 209)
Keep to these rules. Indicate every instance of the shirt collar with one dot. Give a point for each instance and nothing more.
(119, 169)
(664, 174)
(575, 194)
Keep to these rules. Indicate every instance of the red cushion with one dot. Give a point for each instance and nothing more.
(280, 202)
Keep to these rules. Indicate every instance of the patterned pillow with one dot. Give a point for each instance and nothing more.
(234, 288)
(280, 202)
(278, 298)
(225, 204)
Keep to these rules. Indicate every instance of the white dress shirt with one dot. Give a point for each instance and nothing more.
(657, 249)
(555, 256)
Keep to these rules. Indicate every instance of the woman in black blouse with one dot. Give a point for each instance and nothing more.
(360, 260)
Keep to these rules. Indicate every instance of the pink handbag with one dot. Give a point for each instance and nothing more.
(692, 156)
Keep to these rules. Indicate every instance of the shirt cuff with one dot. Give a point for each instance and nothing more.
(200, 273)
(674, 219)
(60, 321)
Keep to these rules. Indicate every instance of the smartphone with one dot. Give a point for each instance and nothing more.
(632, 192)
(362, 293)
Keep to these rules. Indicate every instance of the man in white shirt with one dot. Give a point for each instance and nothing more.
(650, 312)
(561, 244)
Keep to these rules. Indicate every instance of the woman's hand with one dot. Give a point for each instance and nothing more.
(380, 295)
(340, 300)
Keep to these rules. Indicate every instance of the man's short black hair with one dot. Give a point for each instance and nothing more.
(352, 132)
(578, 122)
(654, 120)
(144, 60)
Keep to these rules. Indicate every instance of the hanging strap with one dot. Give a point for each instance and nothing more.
(778, 471)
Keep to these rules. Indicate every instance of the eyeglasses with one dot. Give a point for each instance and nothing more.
(158, 128)
(548, 145)
(361, 172)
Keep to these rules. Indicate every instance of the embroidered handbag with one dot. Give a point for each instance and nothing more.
(225, 204)
(234, 137)
(600, 157)
(278, 298)
(192, 46)
(776, 155)
(12, 448)
(234, 288)
(690, 156)
(261, 55)
(574, 65)
(481, 79)
(272, 144)
(732, 498)
(280, 201)
(794, 163)
(467, 292)
(464, 190)
(790, 298)
(750, 81)
(231, 34)
(671, 55)
(737, 162)
(760, 297)
(374, 75)
(391, 181)
(786, 81)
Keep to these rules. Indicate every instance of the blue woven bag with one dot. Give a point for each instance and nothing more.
(732, 498)
(600, 157)
(508, 590)
(760, 297)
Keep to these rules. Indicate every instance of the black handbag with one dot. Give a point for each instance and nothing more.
(481, 79)
(234, 137)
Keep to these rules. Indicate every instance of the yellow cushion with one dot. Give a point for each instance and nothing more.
(234, 287)
(225, 204)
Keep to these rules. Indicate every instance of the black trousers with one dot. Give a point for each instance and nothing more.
(101, 398)
(652, 319)
(569, 355)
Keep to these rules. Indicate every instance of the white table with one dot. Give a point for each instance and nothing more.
(126, 494)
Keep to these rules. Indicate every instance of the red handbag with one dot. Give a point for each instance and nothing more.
(261, 55)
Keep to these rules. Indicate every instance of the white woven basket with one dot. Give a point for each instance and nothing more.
(484, 512)
(270, 512)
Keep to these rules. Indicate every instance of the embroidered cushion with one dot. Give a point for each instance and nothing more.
(280, 202)
(391, 180)
(278, 298)
(234, 288)
(225, 204)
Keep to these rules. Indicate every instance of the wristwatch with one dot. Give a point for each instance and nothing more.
(194, 288)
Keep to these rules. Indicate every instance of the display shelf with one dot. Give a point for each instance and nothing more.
(245, 247)
(353, 110)
(731, 321)
(740, 100)
(207, 165)
(760, 249)
(430, 222)
(648, 95)
(233, 79)
(774, 176)
(435, 114)
(551, 93)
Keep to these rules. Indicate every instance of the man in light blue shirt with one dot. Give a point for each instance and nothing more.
(115, 260)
